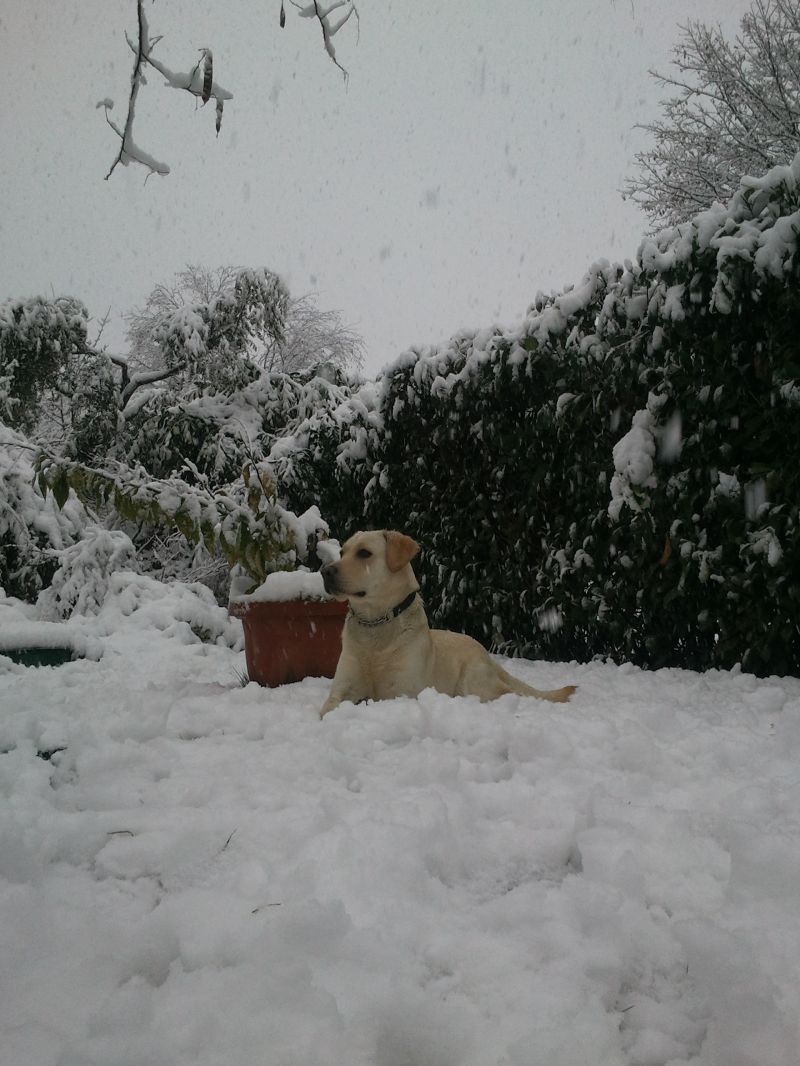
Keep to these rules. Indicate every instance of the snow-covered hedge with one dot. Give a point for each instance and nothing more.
(618, 477)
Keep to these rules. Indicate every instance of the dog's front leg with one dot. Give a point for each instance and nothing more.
(336, 697)
(347, 685)
(332, 701)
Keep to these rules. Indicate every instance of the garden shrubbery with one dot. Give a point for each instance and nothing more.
(619, 477)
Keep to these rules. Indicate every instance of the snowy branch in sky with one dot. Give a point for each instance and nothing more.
(199, 82)
(329, 30)
(129, 151)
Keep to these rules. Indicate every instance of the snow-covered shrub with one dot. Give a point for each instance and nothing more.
(80, 583)
(206, 439)
(192, 423)
(308, 452)
(171, 431)
(168, 435)
(53, 384)
(32, 528)
(206, 415)
(247, 523)
(184, 611)
(166, 556)
(585, 466)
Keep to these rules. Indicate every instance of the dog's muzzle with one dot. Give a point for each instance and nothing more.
(330, 578)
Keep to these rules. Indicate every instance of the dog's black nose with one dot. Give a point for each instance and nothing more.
(330, 573)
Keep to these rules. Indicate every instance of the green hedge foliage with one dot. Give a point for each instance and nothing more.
(621, 476)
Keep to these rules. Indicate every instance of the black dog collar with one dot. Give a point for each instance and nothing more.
(394, 613)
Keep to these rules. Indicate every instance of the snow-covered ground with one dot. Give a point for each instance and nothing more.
(208, 874)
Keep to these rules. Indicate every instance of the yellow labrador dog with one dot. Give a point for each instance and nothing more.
(387, 647)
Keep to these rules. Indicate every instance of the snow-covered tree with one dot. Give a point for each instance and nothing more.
(308, 335)
(194, 285)
(211, 341)
(74, 397)
(734, 110)
(313, 336)
(81, 581)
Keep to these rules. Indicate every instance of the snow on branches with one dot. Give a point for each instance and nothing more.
(199, 81)
(322, 14)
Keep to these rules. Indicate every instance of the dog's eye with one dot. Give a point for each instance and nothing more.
(363, 553)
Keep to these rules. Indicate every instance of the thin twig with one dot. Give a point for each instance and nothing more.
(102, 325)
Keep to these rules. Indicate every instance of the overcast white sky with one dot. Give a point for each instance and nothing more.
(475, 157)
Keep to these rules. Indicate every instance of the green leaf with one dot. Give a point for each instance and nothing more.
(60, 488)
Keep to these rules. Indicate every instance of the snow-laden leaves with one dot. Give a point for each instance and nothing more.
(208, 75)
(246, 522)
(37, 338)
(32, 527)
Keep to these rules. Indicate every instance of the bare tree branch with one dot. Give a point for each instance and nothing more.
(101, 327)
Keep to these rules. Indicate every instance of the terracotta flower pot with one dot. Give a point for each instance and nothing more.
(288, 640)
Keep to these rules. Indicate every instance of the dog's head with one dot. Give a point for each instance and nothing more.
(374, 572)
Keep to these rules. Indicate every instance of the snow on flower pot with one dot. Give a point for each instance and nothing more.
(292, 629)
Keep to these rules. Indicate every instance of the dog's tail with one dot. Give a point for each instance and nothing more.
(554, 695)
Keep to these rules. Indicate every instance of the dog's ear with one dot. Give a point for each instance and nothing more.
(400, 549)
